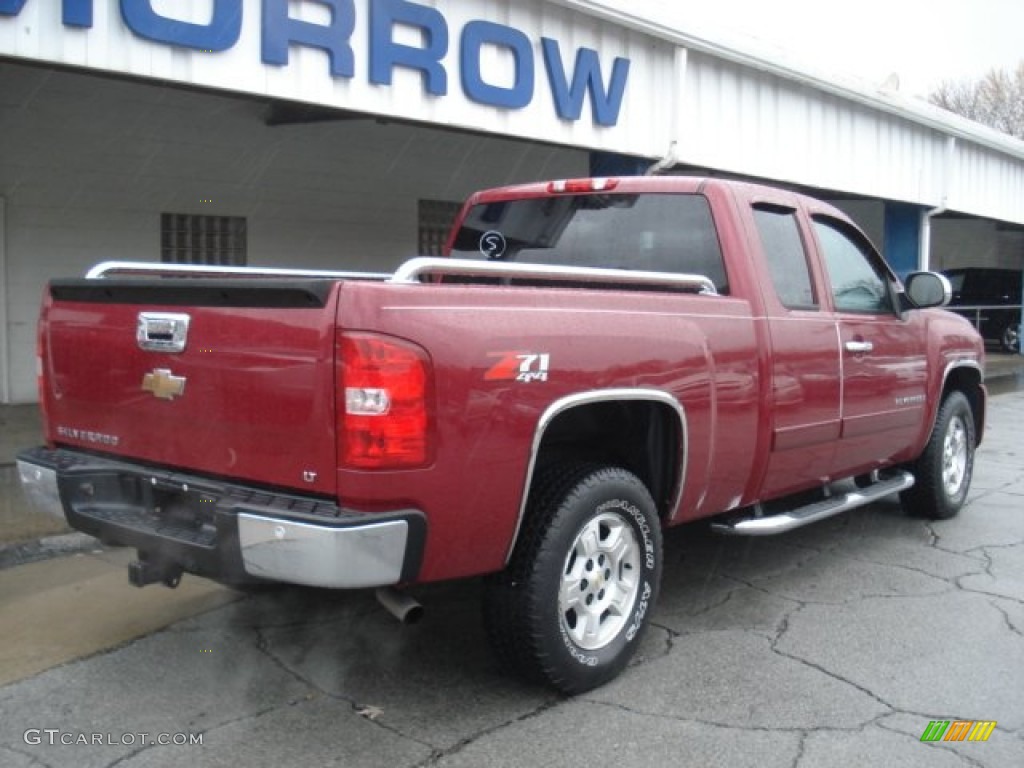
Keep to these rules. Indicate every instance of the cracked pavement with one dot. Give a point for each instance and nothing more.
(833, 645)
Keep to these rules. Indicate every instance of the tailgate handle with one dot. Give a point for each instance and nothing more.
(162, 331)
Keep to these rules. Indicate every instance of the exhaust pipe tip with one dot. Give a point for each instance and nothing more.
(400, 605)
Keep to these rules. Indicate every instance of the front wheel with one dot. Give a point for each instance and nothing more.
(943, 471)
(1010, 338)
(573, 603)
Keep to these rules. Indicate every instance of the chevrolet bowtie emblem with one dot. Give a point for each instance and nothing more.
(163, 384)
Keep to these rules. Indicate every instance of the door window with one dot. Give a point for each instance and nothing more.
(859, 284)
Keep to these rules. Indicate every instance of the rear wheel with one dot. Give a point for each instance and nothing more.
(943, 471)
(573, 603)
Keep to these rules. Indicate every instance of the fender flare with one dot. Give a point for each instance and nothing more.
(581, 399)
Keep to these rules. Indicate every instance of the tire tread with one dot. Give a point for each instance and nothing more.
(926, 497)
(514, 612)
(506, 608)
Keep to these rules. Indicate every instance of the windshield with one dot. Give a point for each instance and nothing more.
(956, 280)
(652, 232)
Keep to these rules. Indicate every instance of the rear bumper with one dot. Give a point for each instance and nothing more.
(358, 555)
(221, 530)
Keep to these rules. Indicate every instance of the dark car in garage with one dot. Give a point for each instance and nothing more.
(991, 299)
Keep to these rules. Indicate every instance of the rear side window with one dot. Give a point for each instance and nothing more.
(787, 260)
(651, 232)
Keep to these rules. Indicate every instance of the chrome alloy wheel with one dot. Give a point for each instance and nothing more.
(954, 456)
(600, 581)
(1011, 339)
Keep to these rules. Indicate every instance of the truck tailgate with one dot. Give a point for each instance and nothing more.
(249, 394)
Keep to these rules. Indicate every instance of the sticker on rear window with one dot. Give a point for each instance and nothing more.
(493, 245)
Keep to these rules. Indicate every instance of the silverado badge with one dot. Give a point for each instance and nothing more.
(163, 384)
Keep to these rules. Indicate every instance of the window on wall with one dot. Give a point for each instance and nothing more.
(210, 240)
(435, 221)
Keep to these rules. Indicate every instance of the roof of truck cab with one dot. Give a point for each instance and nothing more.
(668, 184)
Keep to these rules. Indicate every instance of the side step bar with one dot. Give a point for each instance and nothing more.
(769, 525)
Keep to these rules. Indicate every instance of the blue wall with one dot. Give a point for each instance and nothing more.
(902, 236)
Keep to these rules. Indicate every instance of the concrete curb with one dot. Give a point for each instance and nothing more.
(34, 550)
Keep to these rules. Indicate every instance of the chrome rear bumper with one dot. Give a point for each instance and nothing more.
(228, 532)
(368, 555)
(40, 486)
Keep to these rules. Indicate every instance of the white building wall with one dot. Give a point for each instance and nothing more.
(98, 160)
(109, 45)
(986, 183)
(751, 122)
(725, 108)
(757, 114)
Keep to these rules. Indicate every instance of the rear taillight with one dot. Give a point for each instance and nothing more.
(383, 392)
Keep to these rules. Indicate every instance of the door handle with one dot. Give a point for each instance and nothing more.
(859, 347)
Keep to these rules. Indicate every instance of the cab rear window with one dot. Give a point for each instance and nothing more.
(672, 233)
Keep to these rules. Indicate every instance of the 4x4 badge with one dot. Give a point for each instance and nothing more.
(163, 384)
(519, 366)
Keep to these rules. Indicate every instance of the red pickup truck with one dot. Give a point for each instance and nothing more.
(595, 360)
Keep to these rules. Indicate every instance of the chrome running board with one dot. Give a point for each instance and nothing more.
(769, 525)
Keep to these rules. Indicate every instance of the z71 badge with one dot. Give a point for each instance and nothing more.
(519, 366)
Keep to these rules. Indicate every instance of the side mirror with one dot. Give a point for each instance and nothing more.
(928, 289)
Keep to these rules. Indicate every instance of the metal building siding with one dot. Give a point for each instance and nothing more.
(37, 33)
(755, 123)
(746, 121)
(987, 184)
(749, 113)
(725, 108)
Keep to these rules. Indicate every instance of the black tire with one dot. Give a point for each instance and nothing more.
(588, 557)
(943, 471)
(1009, 339)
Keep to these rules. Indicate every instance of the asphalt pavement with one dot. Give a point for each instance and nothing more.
(837, 644)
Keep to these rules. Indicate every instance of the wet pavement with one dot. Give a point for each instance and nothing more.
(58, 611)
(836, 644)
